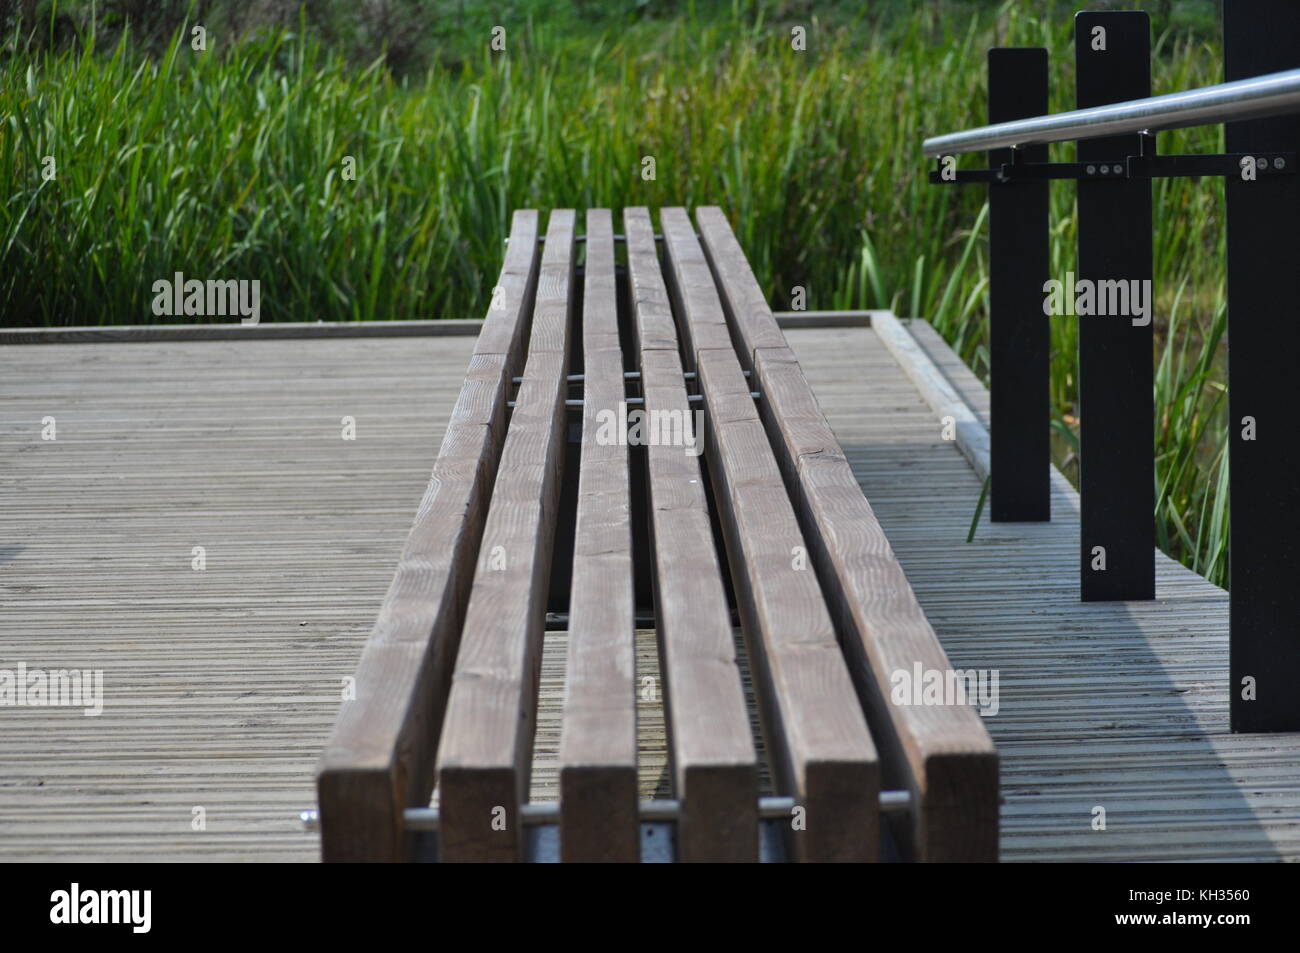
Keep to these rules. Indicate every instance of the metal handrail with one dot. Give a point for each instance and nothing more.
(1269, 95)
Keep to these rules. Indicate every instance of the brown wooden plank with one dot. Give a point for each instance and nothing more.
(811, 714)
(380, 754)
(714, 763)
(486, 747)
(942, 753)
(598, 739)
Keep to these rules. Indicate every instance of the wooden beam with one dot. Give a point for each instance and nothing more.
(486, 749)
(274, 331)
(714, 762)
(598, 741)
(971, 436)
(815, 728)
(380, 753)
(943, 754)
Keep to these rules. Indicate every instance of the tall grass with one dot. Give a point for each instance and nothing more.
(229, 164)
(230, 160)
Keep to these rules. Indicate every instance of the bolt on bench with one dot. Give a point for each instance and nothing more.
(769, 522)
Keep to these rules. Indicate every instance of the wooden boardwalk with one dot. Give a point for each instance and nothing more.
(1122, 706)
(220, 685)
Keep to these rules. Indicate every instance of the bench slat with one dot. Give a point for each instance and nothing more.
(378, 760)
(598, 742)
(946, 754)
(483, 765)
(715, 767)
(812, 719)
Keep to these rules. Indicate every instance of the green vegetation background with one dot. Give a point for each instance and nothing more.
(227, 164)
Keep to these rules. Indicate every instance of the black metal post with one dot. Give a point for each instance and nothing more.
(1019, 332)
(1261, 36)
(1117, 472)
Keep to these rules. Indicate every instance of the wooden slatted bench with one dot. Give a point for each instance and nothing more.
(766, 532)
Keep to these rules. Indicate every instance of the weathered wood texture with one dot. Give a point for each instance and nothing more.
(598, 744)
(486, 746)
(152, 333)
(942, 754)
(969, 433)
(1114, 705)
(216, 695)
(812, 720)
(379, 759)
(219, 685)
(714, 764)
(128, 334)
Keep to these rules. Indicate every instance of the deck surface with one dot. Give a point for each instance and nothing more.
(1122, 706)
(221, 685)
